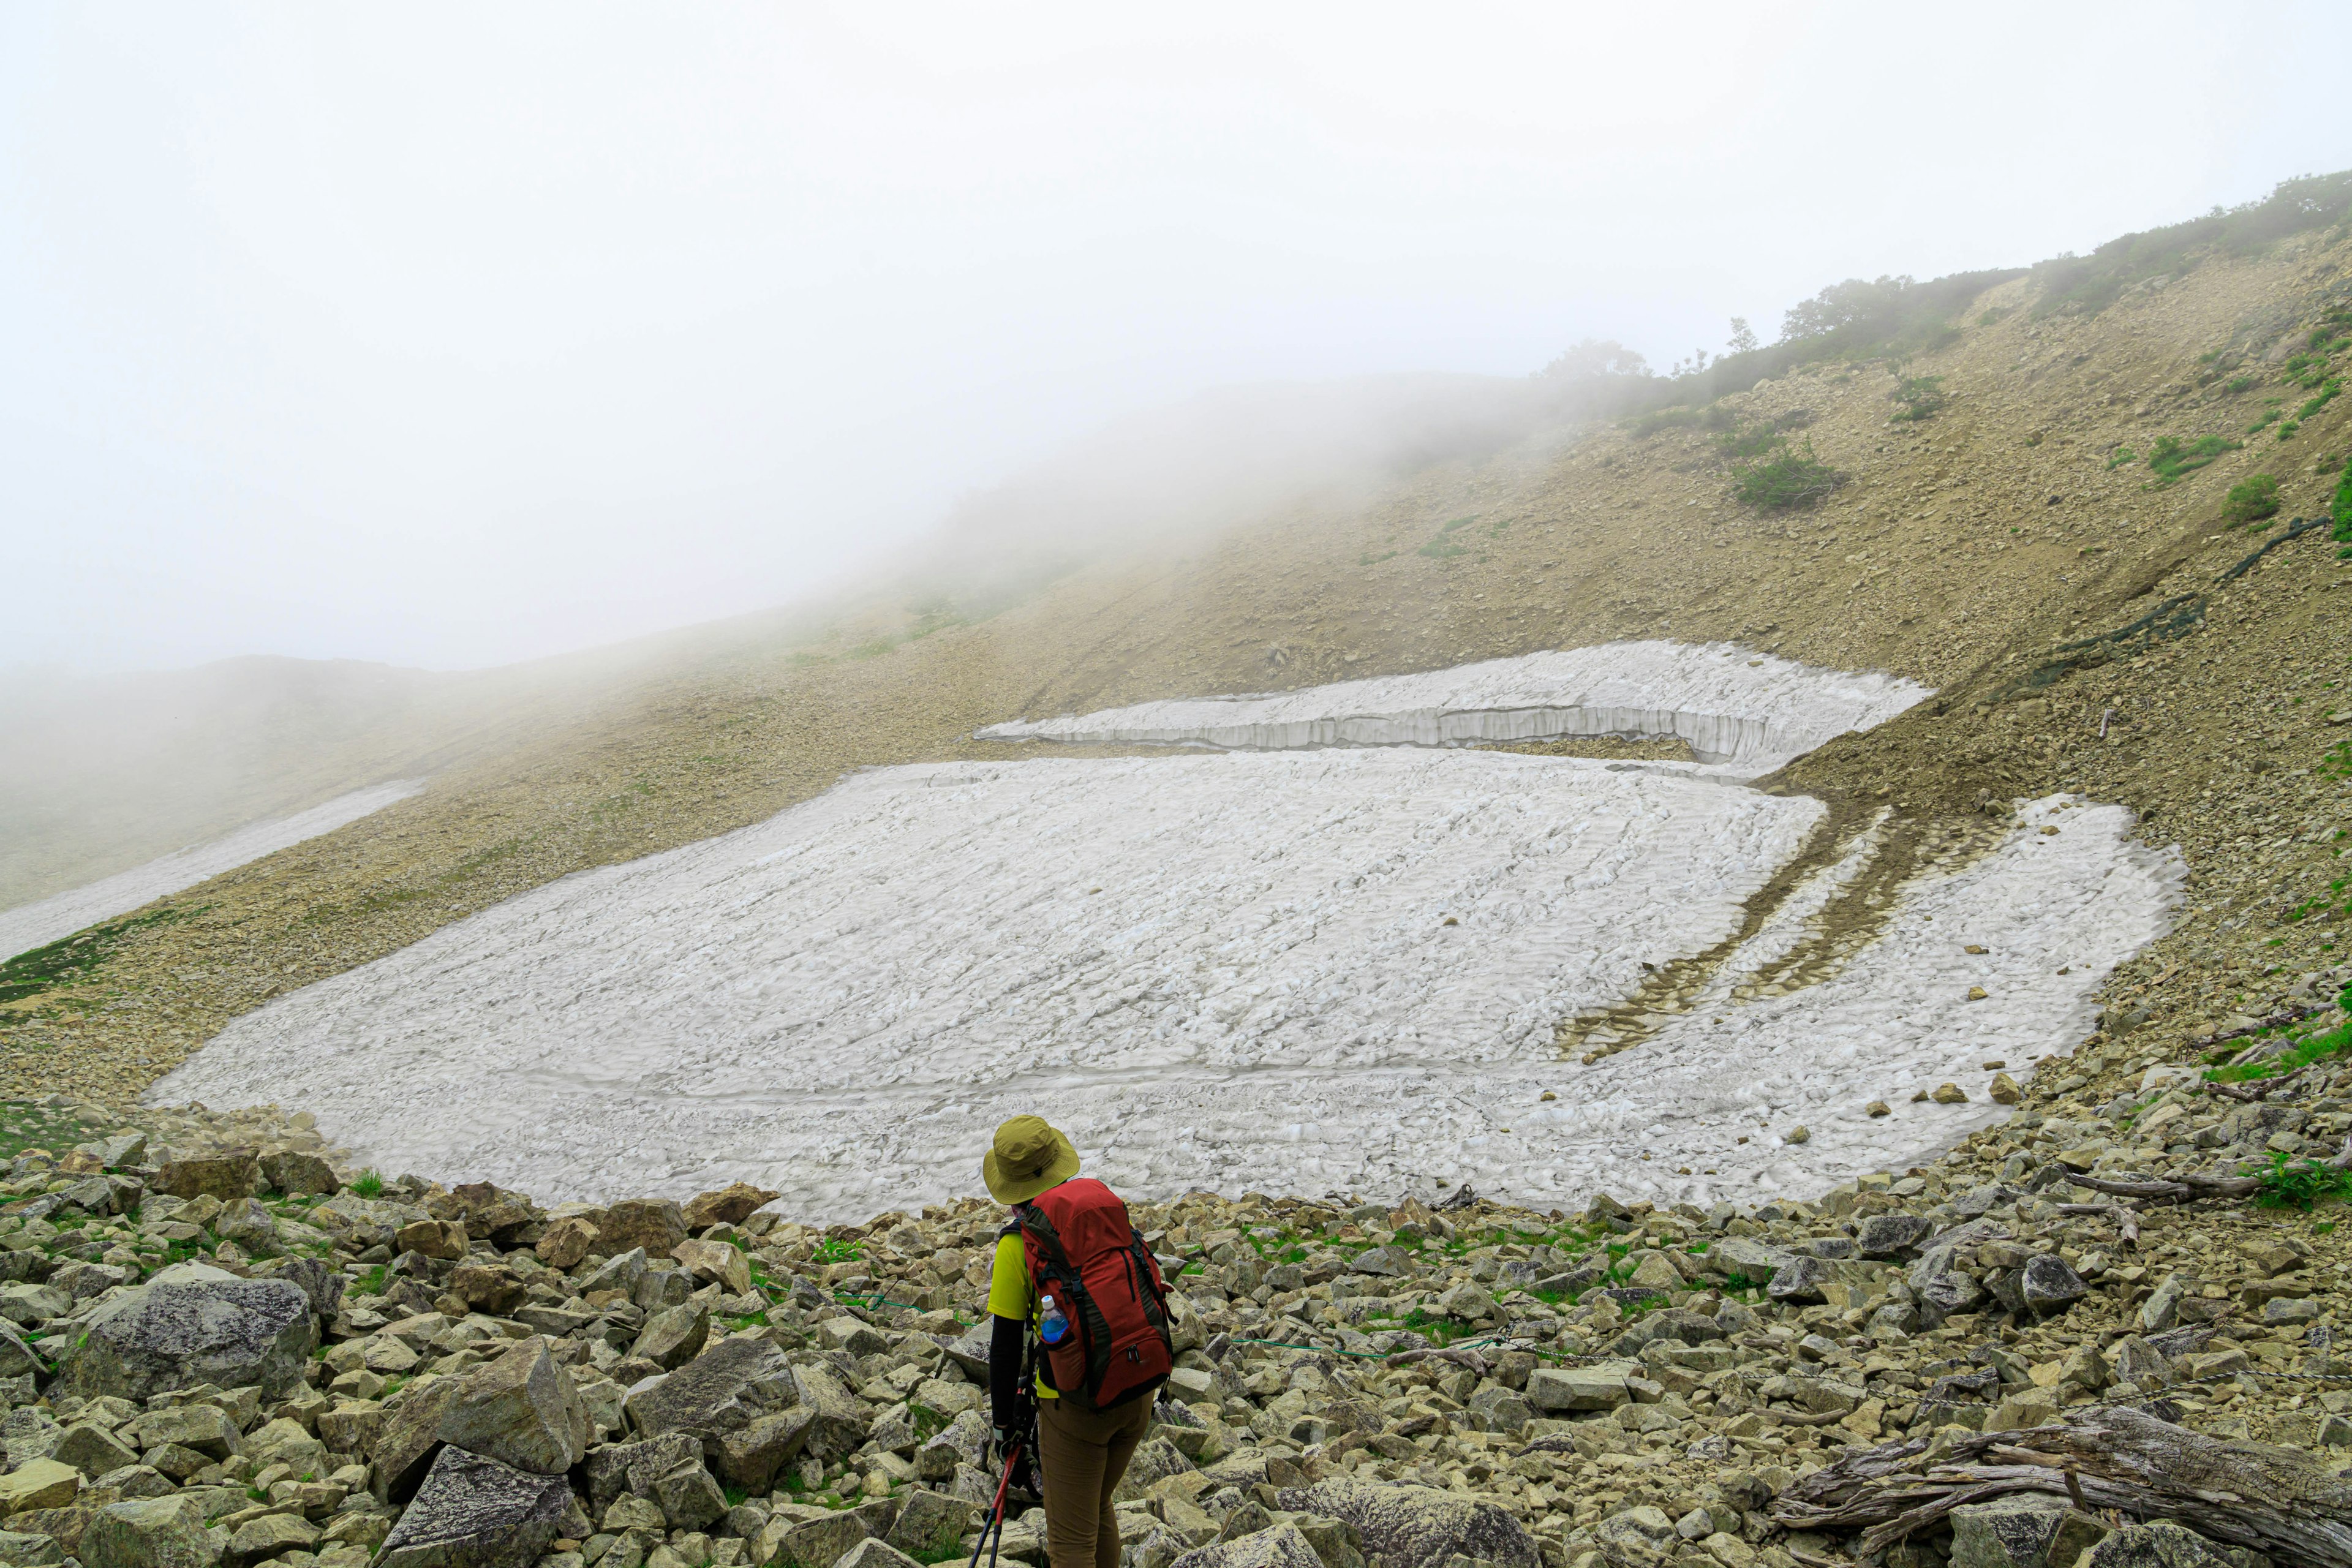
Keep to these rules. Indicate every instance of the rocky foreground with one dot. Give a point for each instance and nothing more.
(2084, 1337)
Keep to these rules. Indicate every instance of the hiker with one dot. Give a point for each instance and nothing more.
(1078, 1300)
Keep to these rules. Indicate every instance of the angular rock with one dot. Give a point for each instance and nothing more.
(1892, 1234)
(1637, 1537)
(655, 1225)
(152, 1533)
(929, 1524)
(1802, 1280)
(206, 1428)
(286, 1441)
(812, 1544)
(1417, 1527)
(2048, 1284)
(91, 1449)
(2025, 1530)
(320, 1284)
(487, 1288)
(409, 1441)
(442, 1239)
(841, 1421)
(193, 1323)
(293, 1173)
(715, 1263)
(234, 1173)
(620, 1469)
(39, 1483)
(475, 1513)
(1576, 1388)
(729, 1206)
(689, 1497)
(270, 1534)
(1749, 1257)
(872, 1554)
(2162, 1544)
(567, 1241)
(750, 1456)
(522, 1409)
(674, 1336)
(1282, 1546)
(18, 1359)
(30, 1551)
(723, 1390)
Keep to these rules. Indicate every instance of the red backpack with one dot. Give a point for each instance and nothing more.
(1081, 1250)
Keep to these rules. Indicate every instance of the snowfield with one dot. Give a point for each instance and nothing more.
(28, 926)
(1742, 714)
(1314, 969)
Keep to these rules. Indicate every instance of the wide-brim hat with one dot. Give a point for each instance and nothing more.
(1028, 1157)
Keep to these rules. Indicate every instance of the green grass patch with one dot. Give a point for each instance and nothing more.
(368, 1184)
(1790, 478)
(69, 959)
(1919, 397)
(2172, 459)
(839, 1250)
(1442, 548)
(2256, 496)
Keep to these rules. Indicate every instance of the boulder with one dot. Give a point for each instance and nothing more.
(2048, 1284)
(2162, 1544)
(206, 1428)
(567, 1241)
(39, 1483)
(729, 1206)
(872, 1554)
(293, 1173)
(619, 1469)
(18, 1359)
(487, 1288)
(674, 1336)
(715, 1263)
(441, 1238)
(810, 1544)
(474, 1512)
(2024, 1530)
(656, 1225)
(288, 1442)
(193, 1323)
(750, 1456)
(91, 1449)
(272, 1533)
(408, 1440)
(930, 1525)
(689, 1499)
(1282, 1546)
(151, 1532)
(522, 1409)
(229, 1176)
(1892, 1234)
(321, 1284)
(1416, 1527)
(30, 1551)
(841, 1419)
(1553, 1388)
(724, 1389)
(1801, 1280)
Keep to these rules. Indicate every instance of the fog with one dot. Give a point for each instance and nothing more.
(452, 336)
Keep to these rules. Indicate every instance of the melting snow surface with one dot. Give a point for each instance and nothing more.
(30, 926)
(1743, 713)
(1310, 971)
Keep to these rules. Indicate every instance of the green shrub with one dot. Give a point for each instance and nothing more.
(2239, 384)
(2171, 460)
(1788, 478)
(2252, 498)
(1919, 396)
(2301, 1183)
(1744, 445)
(2123, 455)
(2328, 391)
(368, 1185)
(1441, 547)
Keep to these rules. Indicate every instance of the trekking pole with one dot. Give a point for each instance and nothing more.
(991, 1530)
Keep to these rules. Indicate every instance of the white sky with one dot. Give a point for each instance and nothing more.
(449, 336)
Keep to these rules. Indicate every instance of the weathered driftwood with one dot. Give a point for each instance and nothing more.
(2191, 1185)
(2278, 1500)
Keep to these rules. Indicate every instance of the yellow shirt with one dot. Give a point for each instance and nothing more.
(1011, 1295)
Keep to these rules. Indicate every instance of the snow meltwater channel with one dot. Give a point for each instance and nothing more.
(1338, 968)
(28, 926)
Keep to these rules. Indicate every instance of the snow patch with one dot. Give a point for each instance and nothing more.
(28, 926)
(1742, 714)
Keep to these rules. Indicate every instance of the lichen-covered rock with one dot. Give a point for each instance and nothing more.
(929, 1524)
(715, 1263)
(631, 1468)
(1417, 1527)
(152, 1533)
(522, 1409)
(731, 1205)
(810, 1543)
(2025, 1530)
(1576, 1388)
(474, 1512)
(441, 1238)
(841, 1421)
(689, 1497)
(750, 1457)
(656, 1225)
(294, 1172)
(873, 1553)
(408, 1439)
(193, 1323)
(230, 1174)
(2048, 1283)
(723, 1390)
(39, 1483)
(674, 1336)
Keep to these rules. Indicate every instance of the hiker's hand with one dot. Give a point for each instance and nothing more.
(1024, 1474)
(1001, 1443)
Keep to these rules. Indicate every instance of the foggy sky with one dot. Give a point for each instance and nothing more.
(450, 335)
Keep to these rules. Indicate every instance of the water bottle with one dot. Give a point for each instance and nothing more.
(1052, 1326)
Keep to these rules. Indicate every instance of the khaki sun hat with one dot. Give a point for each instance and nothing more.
(1028, 1158)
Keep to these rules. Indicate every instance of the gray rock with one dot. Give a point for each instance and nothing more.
(522, 1409)
(152, 1533)
(2163, 1544)
(1155, 1460)
(1637, 1537)
(2048, 1284)
(750, 1456)
(632, 1467)
(1282, 1546)
(206, 1429)
(689, 1498)
(1576, 1388)
(2020, 1530)
(812, 1544)
(18, 1359)
(724, 1389)
(30, 1551)
(1802, 1279)
(2161, 1311)
(872, 1554)
(321, 1284)
(1388, 1262)
(674, 1336)
(841, 1421)
(619, 1272)
(193, 1323)
(91, 1449)
(2134, 1361)
(293, 1172)
(1892, 1234)
(929, 1524)
(1749, 1257)
(1416, 1527)
(409, 1441)
(475, 1513)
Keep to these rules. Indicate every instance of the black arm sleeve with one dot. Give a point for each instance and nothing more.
(1004, 1347)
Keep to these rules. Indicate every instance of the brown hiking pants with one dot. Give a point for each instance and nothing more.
(1081, 1455)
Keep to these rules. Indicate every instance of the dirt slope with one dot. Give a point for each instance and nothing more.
(1962, 550)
